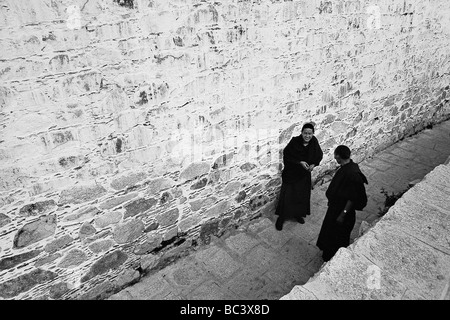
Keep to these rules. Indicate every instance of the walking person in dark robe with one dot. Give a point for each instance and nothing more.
(300, 156)
(346, 193)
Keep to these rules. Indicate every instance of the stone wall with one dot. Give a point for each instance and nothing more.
(133, 130)
(405, 256)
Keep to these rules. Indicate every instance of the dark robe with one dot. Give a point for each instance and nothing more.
(295, 194)
(347, 184)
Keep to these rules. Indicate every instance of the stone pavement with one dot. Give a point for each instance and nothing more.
(258, 262)
(405, 256)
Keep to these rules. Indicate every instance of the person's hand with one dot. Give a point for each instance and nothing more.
(311, 167)
(340, 218)
(304, 165)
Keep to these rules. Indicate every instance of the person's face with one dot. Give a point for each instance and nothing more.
(338, 158)
(307, 134)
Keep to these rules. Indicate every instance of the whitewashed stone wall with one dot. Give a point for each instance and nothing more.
(132, 130)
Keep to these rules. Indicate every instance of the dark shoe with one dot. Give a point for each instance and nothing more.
(301, 220)
(279, 224)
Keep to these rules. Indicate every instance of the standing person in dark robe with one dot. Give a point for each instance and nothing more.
(346, 193)
(300, 157)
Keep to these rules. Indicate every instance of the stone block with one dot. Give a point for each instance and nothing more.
(353, 277)
(127, 277)
(148, 245)
(218, 209)
(151, 287)
(138, 206)
(194, 170)
(315, 264)
(11, 262)
(339, 127)
(148, 261)
(218, 261)
(185, 273)
(210, 290)
(128, 180)
(121, 295)
(108, 262)
(128, 232)
(207, 230)
(411, 295)
(86, 231)
(199, 203)
(248, 283)
(200, 183)
(421, 220)
(170, 234)
(305, 231)
(437, 178)
(246, 167)
(4, 220)
(152, 226)
(169, 217)
(231, 187)
(260, 225)
(11, 288)
(258, 201)
(116, 201)
(47, 260)
(409, 261)
(189, 222)
(286, 134)
(73, 259)
(58, 289)
(299, 293)
(61, 137)
(155, 186)
(99, 292)
(274, 238)
(270, 292)
(58, 244)
(287, 274)
(166, 197)
(99, 235)
(35, 231)
(223, 160)
(37, 208)
(107, 219)
(275, 182)
(81, 194)
(260, 257)
(82, 215)
(241, 243)
(299, 251)
(225, 222)
(101, 245)
(241, 196)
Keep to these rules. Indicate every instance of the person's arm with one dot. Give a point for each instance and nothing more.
(291, 160)
(302, 163)
(288, 158)
(318, 157)
(352, 193)
(348, 207)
